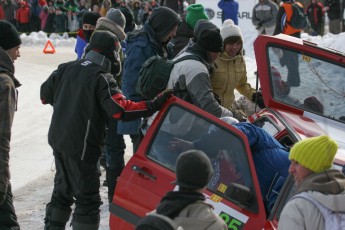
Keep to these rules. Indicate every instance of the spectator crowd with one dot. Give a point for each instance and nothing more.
(66, 15)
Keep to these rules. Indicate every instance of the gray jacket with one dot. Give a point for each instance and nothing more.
(194, 76)
(328, 188)
(8, 104)
(199, 216)
(265, 13)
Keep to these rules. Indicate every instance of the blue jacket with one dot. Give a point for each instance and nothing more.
(141, 45)
(270, 159)
(229, 10)
(80, 45)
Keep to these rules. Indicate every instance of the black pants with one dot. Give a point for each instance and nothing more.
(76, 181)
(8, 218)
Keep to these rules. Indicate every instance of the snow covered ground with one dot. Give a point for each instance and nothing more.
(32, 165)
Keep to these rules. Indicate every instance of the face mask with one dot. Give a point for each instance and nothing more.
(87, 35)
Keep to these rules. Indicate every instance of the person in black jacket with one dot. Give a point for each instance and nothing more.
(333, 8)
(84, 95)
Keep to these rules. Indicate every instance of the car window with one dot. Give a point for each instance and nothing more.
(225, 150)
(308, 83)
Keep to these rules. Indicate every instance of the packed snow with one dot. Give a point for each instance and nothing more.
(32, 165)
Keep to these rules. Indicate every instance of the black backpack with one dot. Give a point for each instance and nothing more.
(299, 19)
(155, 73)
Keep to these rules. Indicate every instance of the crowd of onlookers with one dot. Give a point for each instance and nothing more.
(65, 15)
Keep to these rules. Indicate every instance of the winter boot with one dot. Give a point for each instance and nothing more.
(84, 226)
(112, 175)
(85, 222)
(56, 218)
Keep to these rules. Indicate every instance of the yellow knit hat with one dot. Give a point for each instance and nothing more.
(315, 153)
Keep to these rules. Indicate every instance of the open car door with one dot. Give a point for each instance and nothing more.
(233, 190)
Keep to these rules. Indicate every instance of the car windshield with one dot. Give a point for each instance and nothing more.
(307, 82)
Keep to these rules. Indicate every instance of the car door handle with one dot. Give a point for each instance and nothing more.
(142, 171)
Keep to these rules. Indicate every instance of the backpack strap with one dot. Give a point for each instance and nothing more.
(304, 195)
(168, 220)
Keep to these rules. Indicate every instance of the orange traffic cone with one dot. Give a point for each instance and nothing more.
(49, 48)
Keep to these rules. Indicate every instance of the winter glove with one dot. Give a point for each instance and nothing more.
(157, 103)
(3, 196)
(258, 99)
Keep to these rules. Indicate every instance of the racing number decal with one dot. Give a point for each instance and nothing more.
(231, 222)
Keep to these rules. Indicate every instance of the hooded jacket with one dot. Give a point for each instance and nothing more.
(194, 76)
(8, 104)
(326, 187)
(230, 74)
(190, 211)
(183, 34)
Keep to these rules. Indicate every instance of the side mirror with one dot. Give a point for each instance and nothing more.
(239, 194)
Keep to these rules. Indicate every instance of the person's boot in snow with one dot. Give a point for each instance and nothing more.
(56, 218)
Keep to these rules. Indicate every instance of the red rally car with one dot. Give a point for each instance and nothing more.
(303, 87)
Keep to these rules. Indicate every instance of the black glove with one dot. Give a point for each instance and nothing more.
(3, 196)
(257, 98)
(157, 103)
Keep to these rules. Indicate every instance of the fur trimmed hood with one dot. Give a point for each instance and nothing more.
(105, 24)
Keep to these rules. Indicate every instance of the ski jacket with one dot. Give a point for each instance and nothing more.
(84, 95)
(326, 187)
(8, 105)
(264, 14)
(23, 15)
(194, 76)
(230, 74)
(141, 45)
(229, 10)
(283, 17)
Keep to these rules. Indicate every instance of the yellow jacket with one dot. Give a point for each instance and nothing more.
(228, 75)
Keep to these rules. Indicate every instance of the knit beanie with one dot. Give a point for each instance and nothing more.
(195, 13)
(207, 36)
(163, 20)
(315, 153)
(90, 17)
(117, 17)
(9, 37)
(193, 170)
(104, 43)
(229, 29)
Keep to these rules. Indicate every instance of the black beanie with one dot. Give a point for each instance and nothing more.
(162, 21)
(90, 17)
(103, 42)
(9, 37)
(207, 35)
(193, 170)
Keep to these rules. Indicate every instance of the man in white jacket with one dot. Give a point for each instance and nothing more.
(311, 160)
